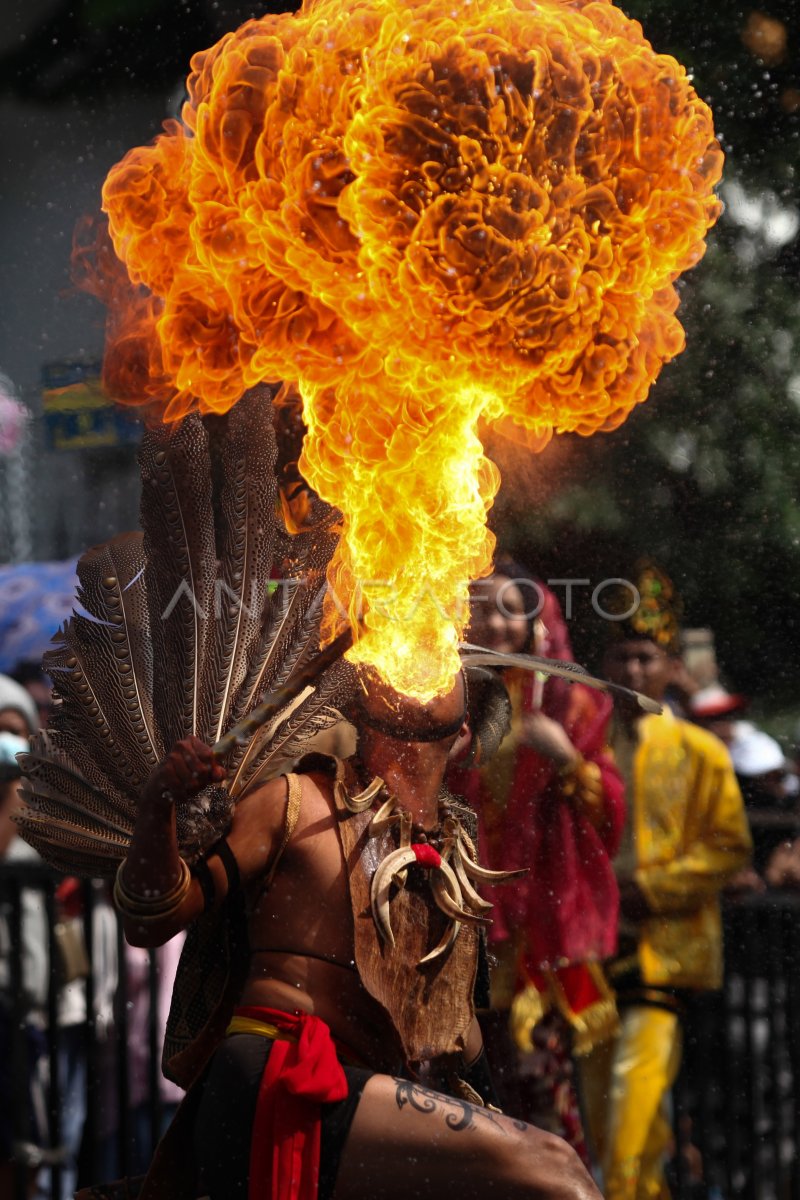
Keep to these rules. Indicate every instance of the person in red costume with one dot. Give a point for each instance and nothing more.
(553, 801)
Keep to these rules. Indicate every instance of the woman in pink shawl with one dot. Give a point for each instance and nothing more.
(552, 801)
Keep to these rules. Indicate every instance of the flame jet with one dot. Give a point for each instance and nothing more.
(426, 217)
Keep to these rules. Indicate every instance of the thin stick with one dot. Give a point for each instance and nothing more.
(277, 700)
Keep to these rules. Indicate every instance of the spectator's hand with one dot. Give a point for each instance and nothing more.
(783, 868)
(746, 883)
(548, 738)
(632, 901)
(188, 768)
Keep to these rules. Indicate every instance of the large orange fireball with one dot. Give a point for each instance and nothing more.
(425, 215)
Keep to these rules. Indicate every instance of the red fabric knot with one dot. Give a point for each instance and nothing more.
(426, 855)
(300, 1075)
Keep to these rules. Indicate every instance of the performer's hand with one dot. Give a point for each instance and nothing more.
(188, 768)
(548, 738)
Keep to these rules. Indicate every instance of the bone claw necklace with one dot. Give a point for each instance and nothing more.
(453, 868)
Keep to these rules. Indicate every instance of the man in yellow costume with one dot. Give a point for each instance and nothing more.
(685, 836)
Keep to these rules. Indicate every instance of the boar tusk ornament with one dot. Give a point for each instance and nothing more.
(451, 869)
(363, 800)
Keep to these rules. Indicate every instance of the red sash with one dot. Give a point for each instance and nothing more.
(302, 1072)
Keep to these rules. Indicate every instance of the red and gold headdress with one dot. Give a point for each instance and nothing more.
(648, 607)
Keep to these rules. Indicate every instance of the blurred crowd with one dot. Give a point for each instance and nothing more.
(634, 825)
(53, 955)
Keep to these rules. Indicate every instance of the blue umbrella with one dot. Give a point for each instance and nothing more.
(35, 599)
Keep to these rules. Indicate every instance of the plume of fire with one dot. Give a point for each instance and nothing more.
(427, 217)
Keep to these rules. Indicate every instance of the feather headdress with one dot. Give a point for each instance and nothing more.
(185, 626)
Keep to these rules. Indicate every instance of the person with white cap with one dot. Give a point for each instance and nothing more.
(19, 718)
(18, 712)
(756, 755)
(769, 787)
(33, 986)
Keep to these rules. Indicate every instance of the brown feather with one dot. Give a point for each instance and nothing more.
(106, 660)
(178, 523)
(51, 772)
(184, 631)
(63, 750)
(243, 454)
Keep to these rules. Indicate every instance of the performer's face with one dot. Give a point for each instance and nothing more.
(499, 619)
(382, 708)
(640, 664)
(412, 769)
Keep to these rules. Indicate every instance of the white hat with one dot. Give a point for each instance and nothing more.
(13, 695)
(756, 753)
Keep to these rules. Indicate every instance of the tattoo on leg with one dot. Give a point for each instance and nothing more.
(418, 1097)
(458, 1114)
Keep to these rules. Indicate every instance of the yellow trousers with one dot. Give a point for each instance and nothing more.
(626, 1084)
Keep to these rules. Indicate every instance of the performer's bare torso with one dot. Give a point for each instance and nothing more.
(301, 930)
(405, 1140)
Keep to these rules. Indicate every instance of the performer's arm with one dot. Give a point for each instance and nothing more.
(154, 871)
(155, 892)
(548, 738)
(588, 777)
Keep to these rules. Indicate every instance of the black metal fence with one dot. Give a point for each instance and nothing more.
(737, 1102)
(69, 1111)
(738, 1097)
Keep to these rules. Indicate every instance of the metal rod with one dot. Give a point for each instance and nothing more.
(54, 1035)
(124, 1129)
(20, 1047)
(750, 1011)
(774, 1013)
(90, 1032)
(793, 1039)
(153, 1065)
(731, 1058)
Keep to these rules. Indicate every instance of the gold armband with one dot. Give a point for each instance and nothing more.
(150, 908)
